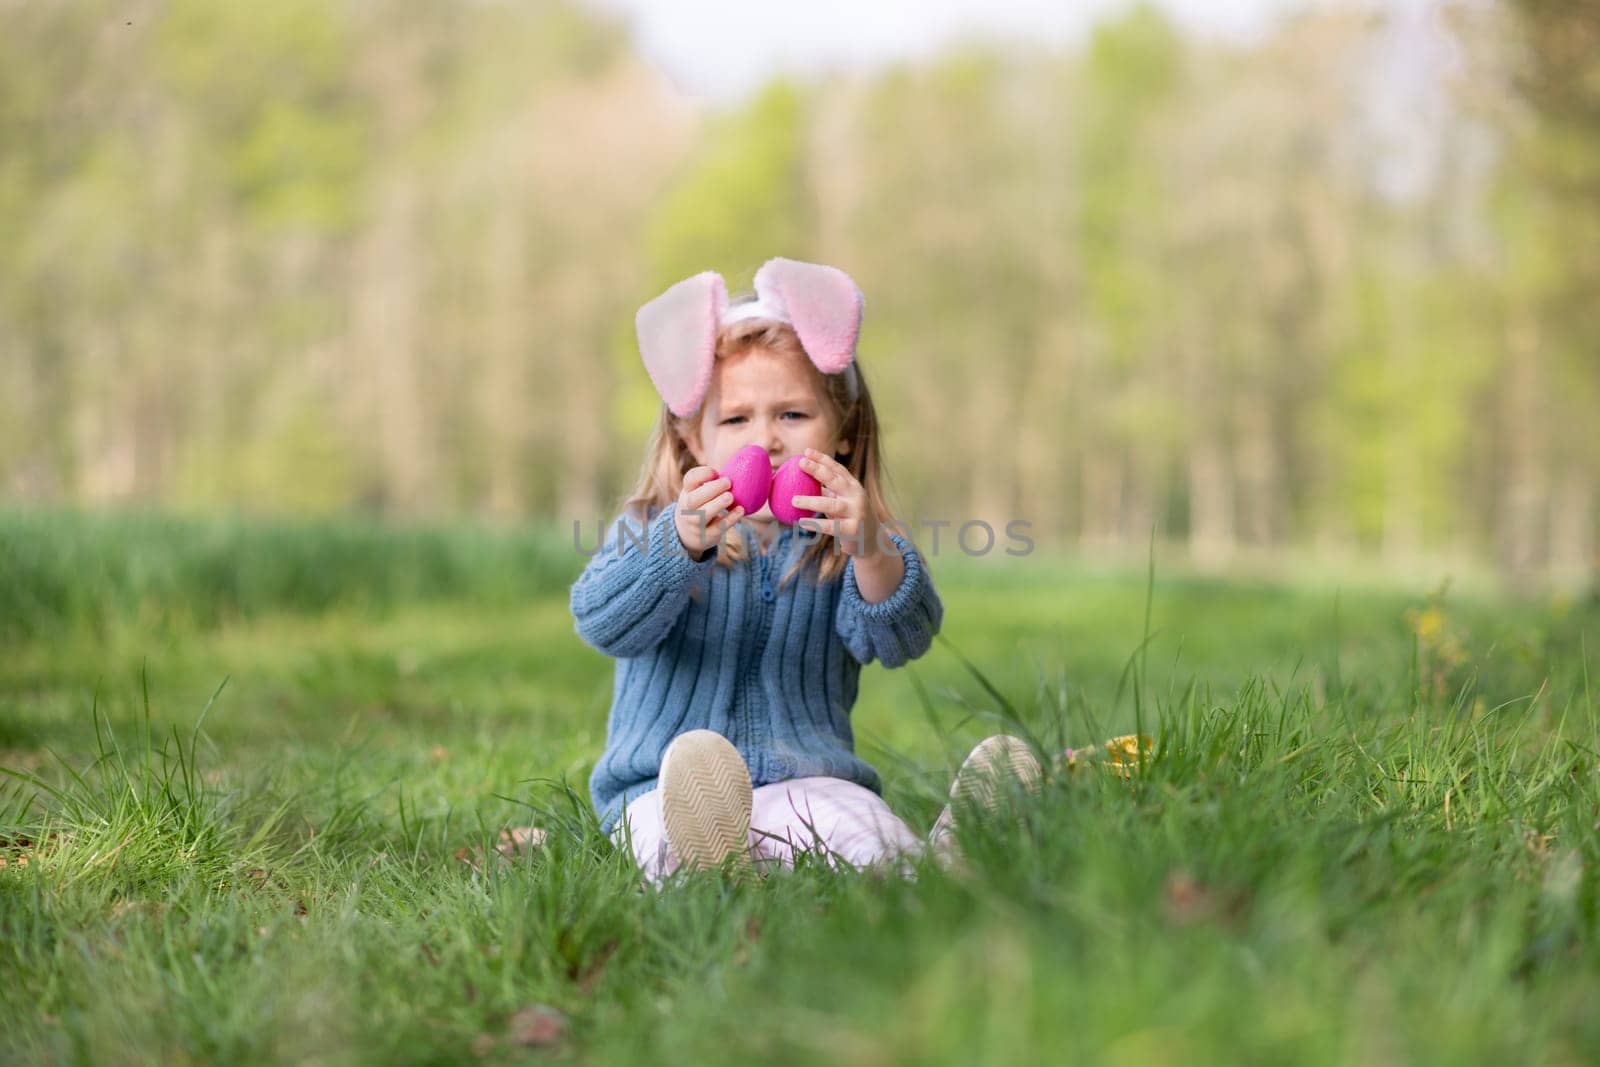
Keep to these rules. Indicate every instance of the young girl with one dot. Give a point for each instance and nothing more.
(739, 641)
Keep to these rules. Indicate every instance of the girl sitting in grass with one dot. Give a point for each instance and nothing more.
(739, 640)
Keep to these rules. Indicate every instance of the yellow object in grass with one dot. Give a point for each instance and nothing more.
(1121, 755)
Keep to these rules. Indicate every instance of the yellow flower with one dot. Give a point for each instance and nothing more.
(1427, 624)
(1120, 754)
(1125, 753)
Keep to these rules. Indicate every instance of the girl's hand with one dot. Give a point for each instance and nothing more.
(712, 497)
(846, 512)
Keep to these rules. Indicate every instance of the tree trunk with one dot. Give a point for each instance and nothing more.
(1211, 503)
(386, 341)
(1572, 533)
(1102, 498)
(506, 399)
(1258, 468)
(1210, 500)
(1524, 493)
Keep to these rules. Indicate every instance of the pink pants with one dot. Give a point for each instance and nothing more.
(852, 823)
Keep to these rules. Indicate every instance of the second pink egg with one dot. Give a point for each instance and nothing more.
(788, 482)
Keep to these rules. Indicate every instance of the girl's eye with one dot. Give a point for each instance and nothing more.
(740, 418)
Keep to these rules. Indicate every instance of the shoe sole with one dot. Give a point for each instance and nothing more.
(987, 767)
(995, 760)
(705, 799)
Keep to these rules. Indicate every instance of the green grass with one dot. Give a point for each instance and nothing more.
(1369, 832)
(67, 570)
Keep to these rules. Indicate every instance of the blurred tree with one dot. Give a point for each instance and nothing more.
(963, 245)
(1133, 71)
(1552, 390)
(369, 253)
(274, 157)
(744, 197)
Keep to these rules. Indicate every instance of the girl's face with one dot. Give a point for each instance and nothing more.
(763, 398)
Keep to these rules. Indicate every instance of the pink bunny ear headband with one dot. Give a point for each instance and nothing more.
(678, 329)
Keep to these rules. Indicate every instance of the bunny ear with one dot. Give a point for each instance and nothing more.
(824, 305)
(678, 337)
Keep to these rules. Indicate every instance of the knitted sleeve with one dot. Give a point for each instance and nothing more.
(895, 630)
(634, 589)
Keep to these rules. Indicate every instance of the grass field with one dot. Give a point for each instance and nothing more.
(249, 763)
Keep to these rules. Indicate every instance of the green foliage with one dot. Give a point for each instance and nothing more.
(315, 256)
(300, 464)
(743, 200)
(1136, 59)
(270, 87)
(1552, 194)
(66, 571)
(1134, 65)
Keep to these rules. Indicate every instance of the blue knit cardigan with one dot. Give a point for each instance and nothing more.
(701, 646)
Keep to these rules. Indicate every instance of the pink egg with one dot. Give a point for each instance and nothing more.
(788, 482)
(750, 471)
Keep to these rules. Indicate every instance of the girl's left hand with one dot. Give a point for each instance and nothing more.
(847, 515)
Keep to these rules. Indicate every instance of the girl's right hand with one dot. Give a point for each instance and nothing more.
(712, 496)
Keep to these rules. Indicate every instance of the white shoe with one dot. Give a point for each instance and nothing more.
(705, 799)
(980, 781)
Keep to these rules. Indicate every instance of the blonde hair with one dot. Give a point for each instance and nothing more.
(668, 458)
